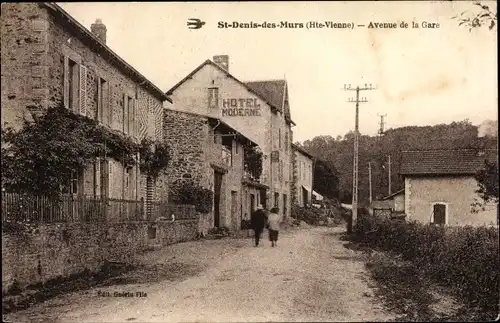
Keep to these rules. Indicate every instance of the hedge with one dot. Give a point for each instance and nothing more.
(463, 259)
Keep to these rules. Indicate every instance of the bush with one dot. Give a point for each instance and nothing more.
(193, 194)
(465, 259)
(311, 216)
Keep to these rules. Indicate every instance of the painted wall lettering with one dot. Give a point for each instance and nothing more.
(241, 107)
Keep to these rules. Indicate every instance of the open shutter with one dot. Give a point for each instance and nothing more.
(83, 90)
(132, 116)
(98, 114)
(97, 178)
(125, 113)
(108, 102)
(66, 77)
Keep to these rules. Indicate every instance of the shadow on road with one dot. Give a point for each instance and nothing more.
(110, 274)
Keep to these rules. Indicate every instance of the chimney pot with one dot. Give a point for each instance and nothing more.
(99, 29)
(222, 61)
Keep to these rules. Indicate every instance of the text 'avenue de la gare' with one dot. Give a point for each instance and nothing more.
(247, 107)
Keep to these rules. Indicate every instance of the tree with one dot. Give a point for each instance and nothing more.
(484, 17)
(487, 179)
(326, 180)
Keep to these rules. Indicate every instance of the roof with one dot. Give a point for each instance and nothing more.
(444, 162)
(231, 129)
(271, 101)
(382, 205)
(302, 151)
(219, 122)
(394, 194)
(276, 92)
(107, 52)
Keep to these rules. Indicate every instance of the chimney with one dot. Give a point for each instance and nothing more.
(99, 29)
(222, 61)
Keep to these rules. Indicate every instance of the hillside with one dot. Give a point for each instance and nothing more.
(375, 149)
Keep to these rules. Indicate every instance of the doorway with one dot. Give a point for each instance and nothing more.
(217, 193)
(252, 203)
(305, 197)
(234, 209)
(439, 214)
(263, 199)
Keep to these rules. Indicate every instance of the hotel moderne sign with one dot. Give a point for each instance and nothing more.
(247, 107)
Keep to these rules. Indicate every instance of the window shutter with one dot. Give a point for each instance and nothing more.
(109, 105)
(125, 113)
(66, 81)
(133, 118)
(98, 114)
(97, 177)
(83, 90)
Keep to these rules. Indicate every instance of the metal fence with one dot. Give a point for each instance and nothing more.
(164, 210)
(86, 209)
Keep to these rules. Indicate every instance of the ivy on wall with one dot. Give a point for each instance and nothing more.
(45, 153)
(253, 160)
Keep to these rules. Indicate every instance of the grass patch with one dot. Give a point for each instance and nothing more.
(422, 261)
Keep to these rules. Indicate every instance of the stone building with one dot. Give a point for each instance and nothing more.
(48, 58)
(259, 110)
(303, 175)
(208, 152)
(441, 188)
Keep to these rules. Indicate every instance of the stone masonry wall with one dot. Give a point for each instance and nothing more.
(65, 249)
(34, 47)
(186, 135)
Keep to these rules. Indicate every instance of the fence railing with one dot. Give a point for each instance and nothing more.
(164, 210)
(86, 209)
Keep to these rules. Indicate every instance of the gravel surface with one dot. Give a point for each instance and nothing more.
(310, 276)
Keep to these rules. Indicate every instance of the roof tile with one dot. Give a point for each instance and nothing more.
(444, 162)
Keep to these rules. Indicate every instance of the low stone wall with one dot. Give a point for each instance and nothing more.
(63, 249)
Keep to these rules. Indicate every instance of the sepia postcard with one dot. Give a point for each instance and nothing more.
(254, 161)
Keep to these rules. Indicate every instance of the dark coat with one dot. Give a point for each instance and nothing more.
(258, 219)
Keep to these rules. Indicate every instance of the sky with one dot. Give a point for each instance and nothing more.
(422, 76)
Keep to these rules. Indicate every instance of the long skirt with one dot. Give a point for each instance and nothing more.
(273, 235)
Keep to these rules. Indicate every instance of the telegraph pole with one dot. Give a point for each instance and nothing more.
(370, 179)
(389, 166)
(356, 148)
(381, 129)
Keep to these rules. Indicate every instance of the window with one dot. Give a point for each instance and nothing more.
(128, 112)
(102, 112)
(276, 199)
(227, 150)
(75, 86)
(72, 186)
(72, 78)
(131, 116)
(439, 213)
(213, 98)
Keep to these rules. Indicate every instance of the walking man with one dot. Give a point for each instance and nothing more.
(258, 220)
(273, 221)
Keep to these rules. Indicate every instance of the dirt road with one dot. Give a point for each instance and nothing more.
(310, 276)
